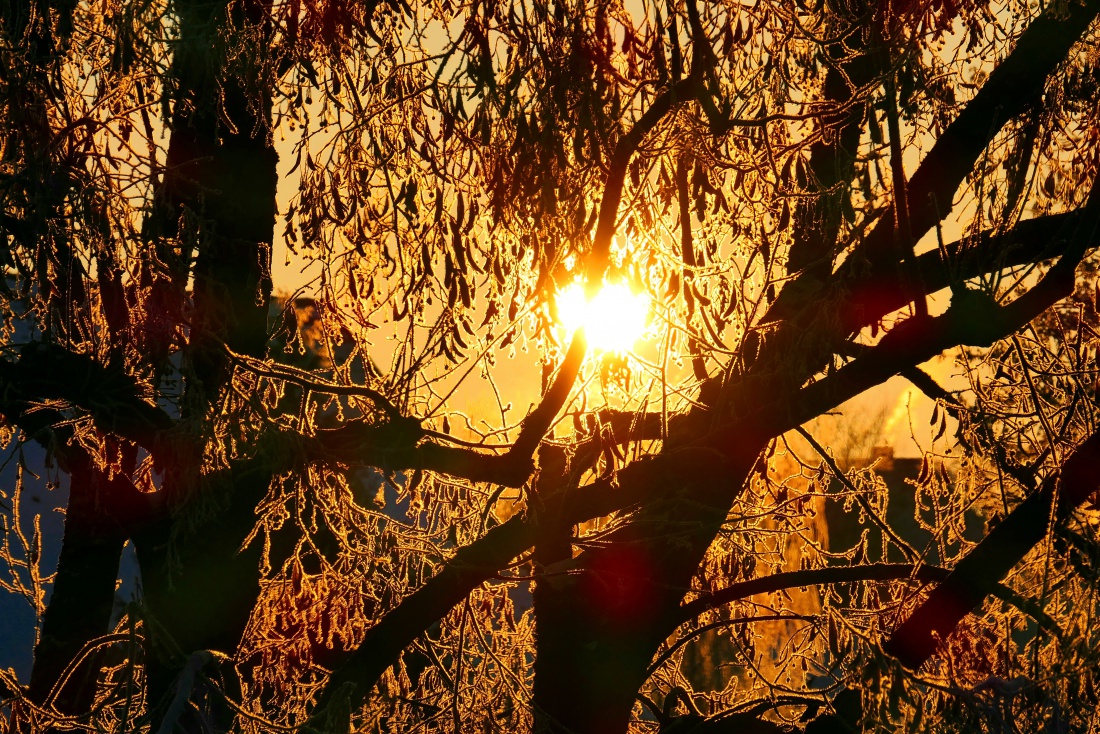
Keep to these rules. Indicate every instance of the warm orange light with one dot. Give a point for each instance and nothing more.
(613, 319)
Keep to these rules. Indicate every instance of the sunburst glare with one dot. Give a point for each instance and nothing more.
(613, 320)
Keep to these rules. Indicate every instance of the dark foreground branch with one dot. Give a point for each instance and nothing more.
(1016, 81)
(977, 575)
(383, 643)
(809, 577)
(111, 397)
(848, 574)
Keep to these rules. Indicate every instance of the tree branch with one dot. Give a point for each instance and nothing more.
(976, 575)
(975, 320)
(383, 643)
(1008, 91)
(111, 397)
(676, 94)
(848, 574)
(808, 577)
(907, 550)
(871, 297)
(399, 445)
(912, 342)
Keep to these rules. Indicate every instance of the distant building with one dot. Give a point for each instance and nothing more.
(911, 511)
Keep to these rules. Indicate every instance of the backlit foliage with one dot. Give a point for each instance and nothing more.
(441, 171)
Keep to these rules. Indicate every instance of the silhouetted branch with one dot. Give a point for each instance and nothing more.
(383, 643)
(907, 550)
(809, 577)
(976, 575)
(400, 445)
(668, 100)
(974, 319)
(47, 372)
(1006, 93)
(848, 574)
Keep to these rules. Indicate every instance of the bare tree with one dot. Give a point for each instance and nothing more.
(353, 504)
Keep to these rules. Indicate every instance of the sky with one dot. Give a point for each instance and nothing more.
(907, 411)
(904, 410)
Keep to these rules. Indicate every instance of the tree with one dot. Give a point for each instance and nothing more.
(338, 497)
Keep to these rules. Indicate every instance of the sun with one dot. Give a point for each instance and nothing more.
(613, 319)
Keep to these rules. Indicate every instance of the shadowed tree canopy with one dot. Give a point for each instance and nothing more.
(283, 306)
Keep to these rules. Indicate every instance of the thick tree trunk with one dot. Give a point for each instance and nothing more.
(598, 631)
(83, 595)
(199, 586)
(218, 196)
(600, 624)
(217, 208)
(202, 584)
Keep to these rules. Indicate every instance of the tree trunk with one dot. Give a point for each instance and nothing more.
(83, 595)
(598, 629)
(217, 201)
